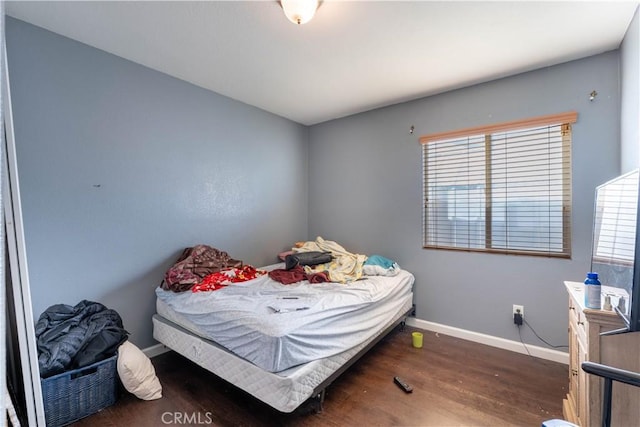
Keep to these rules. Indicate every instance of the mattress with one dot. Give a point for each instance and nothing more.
(285, 390)
(276, 327)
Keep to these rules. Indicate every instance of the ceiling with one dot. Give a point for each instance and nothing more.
(352, 57)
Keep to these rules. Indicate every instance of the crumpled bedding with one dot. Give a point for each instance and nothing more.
(344, 268)
(297, 274)
(226, 277)
(377, 265)
(194, 265)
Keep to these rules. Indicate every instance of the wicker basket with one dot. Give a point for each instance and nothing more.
(75, 394)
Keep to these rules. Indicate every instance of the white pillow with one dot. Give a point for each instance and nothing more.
(136, 372)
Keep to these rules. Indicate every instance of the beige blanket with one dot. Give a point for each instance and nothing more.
(345, 267)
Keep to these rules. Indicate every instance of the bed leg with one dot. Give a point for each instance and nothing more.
(320, 401)
(402, 325)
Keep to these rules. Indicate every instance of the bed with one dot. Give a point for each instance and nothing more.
(283, 344)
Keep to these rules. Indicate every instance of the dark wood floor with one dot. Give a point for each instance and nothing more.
(455, 383)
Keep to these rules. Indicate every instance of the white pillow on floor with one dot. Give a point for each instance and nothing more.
(137, 373)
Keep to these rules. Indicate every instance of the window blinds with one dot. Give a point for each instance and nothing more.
(504, 188)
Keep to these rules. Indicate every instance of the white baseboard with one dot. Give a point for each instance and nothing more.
(155, 350)
(516, 346)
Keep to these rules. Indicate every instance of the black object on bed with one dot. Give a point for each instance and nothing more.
(307, 258)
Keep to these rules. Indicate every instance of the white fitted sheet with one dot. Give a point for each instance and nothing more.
(336, 318)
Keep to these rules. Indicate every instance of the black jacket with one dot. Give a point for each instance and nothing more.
(72, 337)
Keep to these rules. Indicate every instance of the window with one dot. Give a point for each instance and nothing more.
(502, 188)
(615, 221)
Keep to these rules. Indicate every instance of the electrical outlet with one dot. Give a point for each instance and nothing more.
(518, 309)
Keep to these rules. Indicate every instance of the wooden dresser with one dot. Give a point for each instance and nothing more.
(583, 404)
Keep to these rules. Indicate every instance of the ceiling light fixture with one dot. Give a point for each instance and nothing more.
(299, 11)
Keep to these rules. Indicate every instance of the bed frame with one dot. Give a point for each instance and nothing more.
(318, 394)
(296, 389)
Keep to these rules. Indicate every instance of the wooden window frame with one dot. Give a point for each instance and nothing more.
(565, 120)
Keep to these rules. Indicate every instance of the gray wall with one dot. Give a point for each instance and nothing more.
(630, 97)
(122, 167)
(365, 185)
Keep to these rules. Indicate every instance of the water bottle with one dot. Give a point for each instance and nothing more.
(592, 291)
